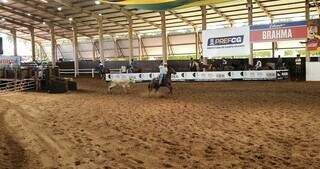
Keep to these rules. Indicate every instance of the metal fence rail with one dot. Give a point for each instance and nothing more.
(17, 85)
(85, 71)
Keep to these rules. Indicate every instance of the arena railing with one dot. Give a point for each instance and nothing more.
(17, 85)
(85, 71)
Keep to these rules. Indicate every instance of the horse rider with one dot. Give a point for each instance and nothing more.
(224, 63)
(192, 65)
(279, 64)
(258, 65)
(131, 66)
(298, 67)
(163, 67)
(101, 69)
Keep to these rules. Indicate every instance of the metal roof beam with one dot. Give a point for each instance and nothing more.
(263, 8)
(189, 23)
(88, 12)
(46, 11)
(128, 12)
(217, 11)
(23, 14)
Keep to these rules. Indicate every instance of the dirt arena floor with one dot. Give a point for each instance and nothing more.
(240, 125)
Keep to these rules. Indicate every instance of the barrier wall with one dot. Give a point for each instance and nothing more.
(206, 76)
(312, 71)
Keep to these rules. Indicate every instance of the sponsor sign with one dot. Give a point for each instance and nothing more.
(260, 75)
(226, 42)
(278, 32)
(282, 75)
(313, 40)
(206, 76)
(10, 60)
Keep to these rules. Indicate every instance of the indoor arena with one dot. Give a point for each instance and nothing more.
(156, 84)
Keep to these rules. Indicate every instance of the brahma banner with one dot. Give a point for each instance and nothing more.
(226, 42)
(279, 32)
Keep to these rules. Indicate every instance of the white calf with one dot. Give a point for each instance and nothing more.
(124, 83)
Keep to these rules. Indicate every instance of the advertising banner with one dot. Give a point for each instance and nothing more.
(226, 42)
(10, 60)
(278, 32)
(313, 39)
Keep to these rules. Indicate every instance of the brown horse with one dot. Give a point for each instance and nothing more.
(166, 82)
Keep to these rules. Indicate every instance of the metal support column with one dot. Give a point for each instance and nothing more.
(274, 45)
(93, 50)
(75, 50)
(14, 37)
(53, 46)
(101, 41)
(33, 44)
(204, 17)
(197, 43)
(250, 21)
(140, 47)
(130, 38)
(307, 6)
(204, 20)
(164, 36)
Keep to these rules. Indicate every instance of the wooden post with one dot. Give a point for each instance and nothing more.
(53, 46)
(101, 41)
(197, 43)
(33, 44)
(250, 21)
(140, 47)
(130, 38)
(14, 36)
(164, 36)
(307, 9)
(75, 50)
(204, 17)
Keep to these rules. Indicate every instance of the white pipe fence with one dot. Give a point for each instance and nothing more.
(85, 71)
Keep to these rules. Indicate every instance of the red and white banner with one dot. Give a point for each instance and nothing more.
(278, 32)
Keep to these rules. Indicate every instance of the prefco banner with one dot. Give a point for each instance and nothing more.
(278, 32)
(226, 42)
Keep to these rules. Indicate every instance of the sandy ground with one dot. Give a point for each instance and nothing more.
(254, 125)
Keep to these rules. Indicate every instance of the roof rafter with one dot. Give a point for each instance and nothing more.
(24, 14)
(127, 12)
(10, 34)
(19, 23)
(183, 19)
(46, 11)
(90, 13)
(217, 11)
(264, 9)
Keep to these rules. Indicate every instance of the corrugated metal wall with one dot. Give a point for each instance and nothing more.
(180, 44)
